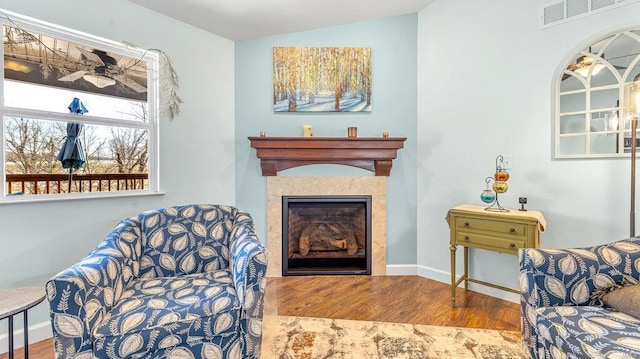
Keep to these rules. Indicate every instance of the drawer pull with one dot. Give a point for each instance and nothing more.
(466, 238)
(512, 245)
(466, 225)
(512, 230)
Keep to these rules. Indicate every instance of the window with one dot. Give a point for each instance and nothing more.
(79, 113)
(589, 117)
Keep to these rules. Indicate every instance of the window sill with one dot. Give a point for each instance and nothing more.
(73, 197)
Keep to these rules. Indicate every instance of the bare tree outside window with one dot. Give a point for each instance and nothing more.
(129, 146)
(32, 145)
(94, 148)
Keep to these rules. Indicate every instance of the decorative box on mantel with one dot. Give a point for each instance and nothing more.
(375, 154)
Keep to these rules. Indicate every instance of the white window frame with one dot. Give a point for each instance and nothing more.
(8, 18)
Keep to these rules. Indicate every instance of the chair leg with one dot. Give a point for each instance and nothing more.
(26, 336)
(10, 333)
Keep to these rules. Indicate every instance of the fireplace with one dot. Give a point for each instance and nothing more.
(311, 186)
(326, 235)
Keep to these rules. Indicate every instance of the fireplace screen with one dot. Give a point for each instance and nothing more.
(326, 235)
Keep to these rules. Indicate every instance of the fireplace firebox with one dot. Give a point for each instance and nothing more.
(326, 235)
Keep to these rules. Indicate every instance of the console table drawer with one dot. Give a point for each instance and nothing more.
(468, 223)
(504, 245)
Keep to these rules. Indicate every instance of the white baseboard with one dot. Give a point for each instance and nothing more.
(445, 277)
(401, 269)
(37, 332)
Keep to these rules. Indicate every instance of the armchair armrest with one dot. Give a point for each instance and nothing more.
(248, 265)
(80, 296)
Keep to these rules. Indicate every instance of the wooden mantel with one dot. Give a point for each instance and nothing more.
(369, 153)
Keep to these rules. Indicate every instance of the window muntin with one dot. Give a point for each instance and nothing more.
(120, 131)
(589, 98)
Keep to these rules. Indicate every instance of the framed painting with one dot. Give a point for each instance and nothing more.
(321, 79)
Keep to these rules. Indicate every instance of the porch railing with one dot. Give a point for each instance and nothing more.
(47, 183)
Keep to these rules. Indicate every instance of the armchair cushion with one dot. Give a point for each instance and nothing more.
(202, 305)
(586, 331)
(625, 299)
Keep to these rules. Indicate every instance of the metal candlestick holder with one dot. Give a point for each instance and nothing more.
(500, 178)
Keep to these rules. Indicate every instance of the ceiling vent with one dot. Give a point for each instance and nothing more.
(560, 11)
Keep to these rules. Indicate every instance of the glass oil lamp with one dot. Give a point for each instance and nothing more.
(488, 196)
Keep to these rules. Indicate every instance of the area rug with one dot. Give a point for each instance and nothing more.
(311, 338)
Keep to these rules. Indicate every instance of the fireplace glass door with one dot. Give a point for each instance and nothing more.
(326, 235)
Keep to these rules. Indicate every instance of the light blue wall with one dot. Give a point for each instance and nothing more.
(485, 87)
(393, 51)
(38, 240)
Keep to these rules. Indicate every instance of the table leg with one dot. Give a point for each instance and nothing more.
(26, 336)
(466, 268)
(452, 248)
(10, 334)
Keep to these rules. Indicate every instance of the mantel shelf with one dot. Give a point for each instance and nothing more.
(375, 154)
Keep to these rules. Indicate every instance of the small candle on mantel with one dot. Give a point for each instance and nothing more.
(352, 132)
(307, 131)
(385, 134)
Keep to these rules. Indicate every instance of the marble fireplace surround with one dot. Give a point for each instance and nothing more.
(375, 186)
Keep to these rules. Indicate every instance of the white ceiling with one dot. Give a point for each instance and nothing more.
(247, 19)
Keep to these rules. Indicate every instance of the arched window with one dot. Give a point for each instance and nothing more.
(589, 121)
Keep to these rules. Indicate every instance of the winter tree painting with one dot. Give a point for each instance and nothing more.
(325, 79)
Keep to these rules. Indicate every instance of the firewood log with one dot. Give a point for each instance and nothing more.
(352, 244)
(304, 241)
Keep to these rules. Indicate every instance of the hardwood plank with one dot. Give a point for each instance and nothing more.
(40, 350)
(405, 299)
(402, 299)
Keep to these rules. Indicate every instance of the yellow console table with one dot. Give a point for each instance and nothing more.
(505, 232)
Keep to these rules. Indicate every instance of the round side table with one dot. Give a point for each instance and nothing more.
(19, 300)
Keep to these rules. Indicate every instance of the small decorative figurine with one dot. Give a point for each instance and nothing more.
(523, 201)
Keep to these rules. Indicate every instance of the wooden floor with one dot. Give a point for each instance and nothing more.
(402, 299)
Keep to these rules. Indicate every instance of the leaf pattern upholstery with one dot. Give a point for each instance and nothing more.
(126, 299)
(248, 260)
(559, 317)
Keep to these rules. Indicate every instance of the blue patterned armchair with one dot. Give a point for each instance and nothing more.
(177, 282)
(560, 319)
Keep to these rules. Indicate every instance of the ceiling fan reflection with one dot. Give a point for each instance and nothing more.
(103, 70)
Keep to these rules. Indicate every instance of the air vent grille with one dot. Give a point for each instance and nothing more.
(561, 11)
(553, 13)
(577, 7)
(599, 4)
